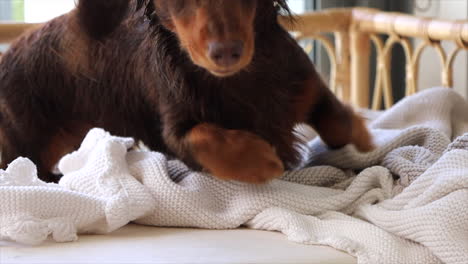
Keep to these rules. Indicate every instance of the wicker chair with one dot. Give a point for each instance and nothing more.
(356, 29)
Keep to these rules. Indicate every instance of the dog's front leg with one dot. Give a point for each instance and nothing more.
(336, 123)
(229, 154)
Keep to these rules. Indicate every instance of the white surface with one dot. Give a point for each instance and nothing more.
(140, 244)
(37, 11)
(297, 6)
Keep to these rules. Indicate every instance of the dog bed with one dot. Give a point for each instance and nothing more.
(406, 204)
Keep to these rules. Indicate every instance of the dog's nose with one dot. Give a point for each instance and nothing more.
(226, 53)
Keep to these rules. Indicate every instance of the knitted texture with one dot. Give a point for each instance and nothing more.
(404, 202)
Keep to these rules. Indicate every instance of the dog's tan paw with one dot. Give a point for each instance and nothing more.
(361, 137)
(235, 154)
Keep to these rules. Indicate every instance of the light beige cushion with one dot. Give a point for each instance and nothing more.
(140, 244)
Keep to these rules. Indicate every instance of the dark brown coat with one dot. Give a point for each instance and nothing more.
(110, 65)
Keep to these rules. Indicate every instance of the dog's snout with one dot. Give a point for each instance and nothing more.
(227, 53)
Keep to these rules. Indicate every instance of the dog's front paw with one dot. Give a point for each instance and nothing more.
(361, 137)
(234, 154)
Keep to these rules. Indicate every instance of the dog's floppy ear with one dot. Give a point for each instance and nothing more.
(100, 17)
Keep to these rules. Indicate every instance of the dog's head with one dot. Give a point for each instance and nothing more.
(218, 35)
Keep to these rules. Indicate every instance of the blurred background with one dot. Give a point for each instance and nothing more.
(32, 11)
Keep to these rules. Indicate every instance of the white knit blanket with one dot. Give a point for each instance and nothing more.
(420, 218)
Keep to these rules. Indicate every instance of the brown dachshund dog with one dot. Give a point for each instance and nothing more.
(218, 84)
